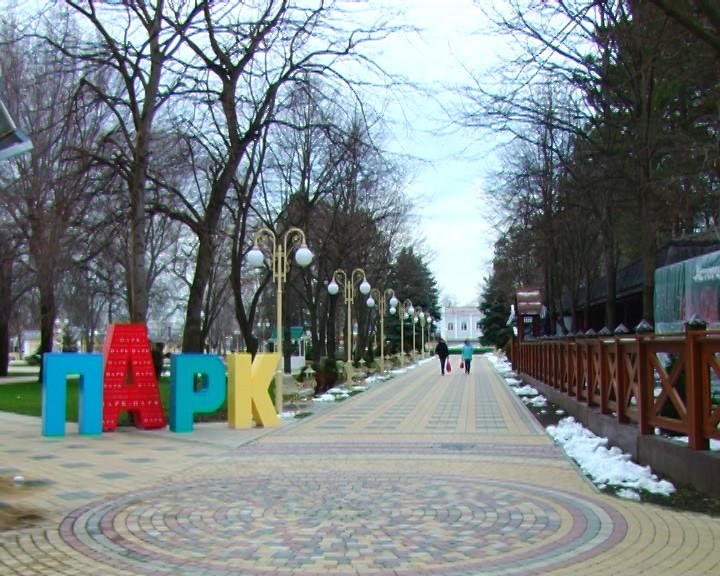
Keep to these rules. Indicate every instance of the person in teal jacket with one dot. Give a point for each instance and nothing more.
(467, 354)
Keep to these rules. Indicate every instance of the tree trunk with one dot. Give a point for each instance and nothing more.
(138, 289)
(287, 343)
(6, 269)
(193, 336)
(48, 312)
(314, 328)
(193, 340)
(649, 254)
(611, 283)
(4, 348)
(331, 336)
(138, 296)
(548, 296)
(252, 343)
(588, 296)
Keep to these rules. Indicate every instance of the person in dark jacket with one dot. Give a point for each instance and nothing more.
(442, 351)
(158, 357)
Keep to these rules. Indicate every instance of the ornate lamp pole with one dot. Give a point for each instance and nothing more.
(430, 320)
(382, 300)
(340, 278)
(294, 239)
(414, 320)
(406, 308)
(421, 316)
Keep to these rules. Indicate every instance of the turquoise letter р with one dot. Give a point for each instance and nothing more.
(56, 368)
(184, 399)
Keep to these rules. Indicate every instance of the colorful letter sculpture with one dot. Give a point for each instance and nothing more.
(184, 399)
(248, 390)
(56, 368)
(123, 380)
(130, 384)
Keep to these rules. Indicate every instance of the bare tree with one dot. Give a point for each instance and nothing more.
(249, 58)
(620, 63)
(700, 17)
(12, 288)
(136, 45)
(51, 193)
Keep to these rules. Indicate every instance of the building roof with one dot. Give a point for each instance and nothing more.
(461, 309)
(630, 276)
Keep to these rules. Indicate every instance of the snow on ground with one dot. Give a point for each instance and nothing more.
(335, 394)
(605, 467)
(535, 401)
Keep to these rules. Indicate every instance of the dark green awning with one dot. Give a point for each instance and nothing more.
(296, 332)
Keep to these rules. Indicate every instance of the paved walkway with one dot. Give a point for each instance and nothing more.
(419, 475)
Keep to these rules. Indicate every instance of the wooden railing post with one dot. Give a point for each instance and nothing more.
(604, 383)
(579, 368)
(645, 379)
(589, 366)
(695, 329)
(620, 375)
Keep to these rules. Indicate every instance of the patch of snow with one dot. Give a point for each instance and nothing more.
(628, 494)
(535, 402)
(606, 467)
(525, 391)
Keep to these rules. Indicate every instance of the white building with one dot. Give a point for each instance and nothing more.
(460, 323)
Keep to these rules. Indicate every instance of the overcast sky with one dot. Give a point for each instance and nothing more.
(448, 182)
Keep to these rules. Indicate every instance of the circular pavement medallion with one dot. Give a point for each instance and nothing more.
(342, 523)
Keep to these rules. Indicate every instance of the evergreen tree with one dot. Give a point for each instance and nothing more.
(412, 280)
(495, 306)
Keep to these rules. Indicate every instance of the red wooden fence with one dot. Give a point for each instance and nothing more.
(655, 380)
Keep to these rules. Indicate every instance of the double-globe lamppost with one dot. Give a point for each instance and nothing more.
(420, 317)
(293, 239)
(426, 320)
(382, 299)
(340, 278)
(430, 320)
(404, 309)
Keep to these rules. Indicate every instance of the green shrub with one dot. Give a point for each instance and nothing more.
(476, 349)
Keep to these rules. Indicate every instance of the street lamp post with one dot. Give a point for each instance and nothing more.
(421, 316)
(382, 300)
(340, 278)
(429, 325)
(405, 308)
(294, 239)
(414, 321)
(423, 320)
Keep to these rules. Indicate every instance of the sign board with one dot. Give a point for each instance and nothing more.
(529, 302)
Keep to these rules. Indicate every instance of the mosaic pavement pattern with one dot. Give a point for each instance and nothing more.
(381, 525)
